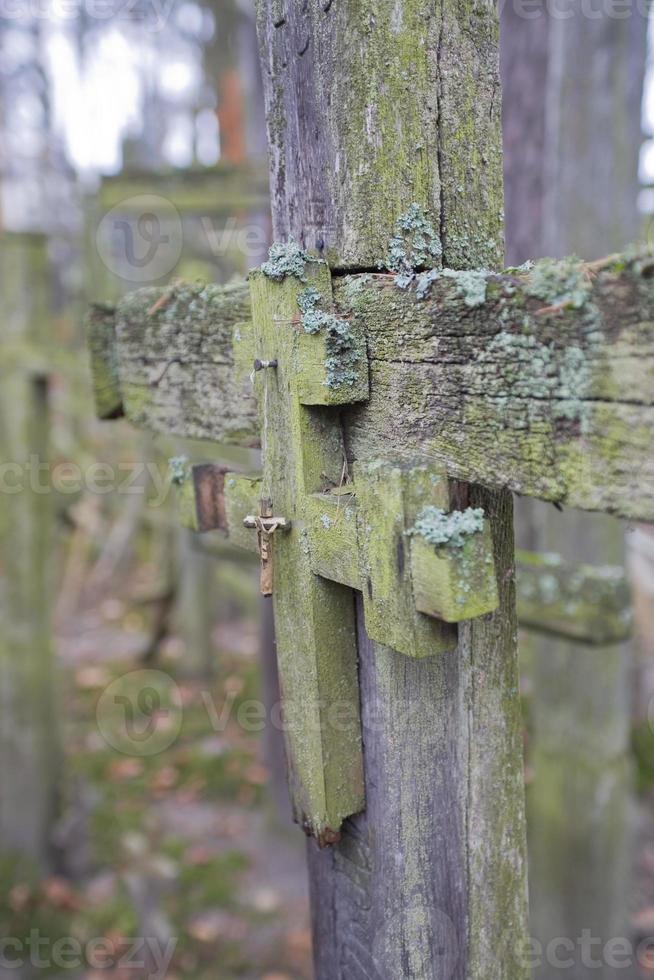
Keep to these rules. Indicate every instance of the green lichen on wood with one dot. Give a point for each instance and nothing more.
(452, 564)
(180, 469)
(388, 496)
(101, 333)
(451, 530)
(414, 245)
(285, 259)
(343, 353)
(552, 401)
(317, 663)
(471, 283)
(332, 536)
(560, 282)
(408, 99)
(175, 353)
(181, 476)
(242, 497)
(582, 602)
(331, 352)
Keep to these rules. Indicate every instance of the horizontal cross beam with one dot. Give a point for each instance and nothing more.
(586, 603)
(362, 535)
(539, 380)
(582, 602)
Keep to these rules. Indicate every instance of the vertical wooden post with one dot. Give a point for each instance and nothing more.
(563, 84)
(29, 743)
(369, 112)
(194, 605)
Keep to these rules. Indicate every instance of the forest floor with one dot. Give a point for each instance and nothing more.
(169, 835)
(174, 842)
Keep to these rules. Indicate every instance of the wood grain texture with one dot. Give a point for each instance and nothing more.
(314, 618)
(419, 879)
(518, 391)
(371, 107)
(176, 357)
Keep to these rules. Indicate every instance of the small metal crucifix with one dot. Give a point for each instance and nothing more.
(266, 525)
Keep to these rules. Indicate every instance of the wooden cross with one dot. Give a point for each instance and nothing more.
(386, 149)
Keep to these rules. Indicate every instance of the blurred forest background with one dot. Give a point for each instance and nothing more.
(133, 152)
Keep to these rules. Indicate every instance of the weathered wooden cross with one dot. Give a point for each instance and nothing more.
(378, 394)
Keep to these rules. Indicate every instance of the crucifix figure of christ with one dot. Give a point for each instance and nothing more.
(410, 387)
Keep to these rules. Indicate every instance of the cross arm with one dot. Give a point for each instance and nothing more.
(540, 380)
(164, 357)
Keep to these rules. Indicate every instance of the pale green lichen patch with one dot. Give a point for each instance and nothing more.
(342, 354)
(450, 530)
(414, 245)
(471, 283)
(180, 469)
(286, 259)
(560, 282)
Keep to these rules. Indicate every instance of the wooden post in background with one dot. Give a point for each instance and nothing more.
(29, 738)
(565, 81)
(367, 115)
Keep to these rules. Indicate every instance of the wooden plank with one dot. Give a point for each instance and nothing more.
(582, 602)
(545, 386)
(522, 389)
(224, 189)
(105, 368)
(314, 618)
(417, 878)
(370, 109)
(176, 360)
(30, 746)
(390, 498)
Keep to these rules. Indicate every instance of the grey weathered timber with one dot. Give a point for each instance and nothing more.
(580, 764)
(438, 853)
(194, 605)
(565, 81)
(524, 389)
(581, 602)
(176, 366)
(29, 741)
(371, 107)
(564, 84)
